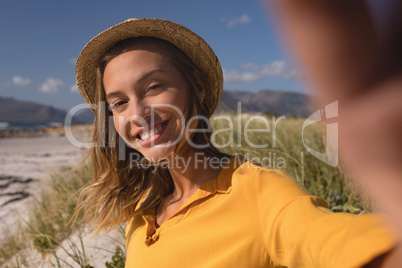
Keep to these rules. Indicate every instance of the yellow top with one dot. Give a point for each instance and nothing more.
(251, 216)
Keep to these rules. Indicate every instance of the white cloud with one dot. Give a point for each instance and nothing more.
(275, 68)
(52, 86)
(250, 66)
(293, 74)
(282, 69)
(20, 81)
(278, 68)
(74, 88)
(73, 61)
(245, 18)
(235, 77)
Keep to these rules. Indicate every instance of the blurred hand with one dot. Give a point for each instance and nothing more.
(345, 56)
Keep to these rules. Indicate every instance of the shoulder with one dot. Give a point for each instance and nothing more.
(270, 188)
(261, 178)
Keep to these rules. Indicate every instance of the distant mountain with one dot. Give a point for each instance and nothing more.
(277, 102)
(229, 102)
(15, 111)
(273, 101)
(85, 116)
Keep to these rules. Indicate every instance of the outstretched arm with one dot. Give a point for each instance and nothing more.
(345, 56)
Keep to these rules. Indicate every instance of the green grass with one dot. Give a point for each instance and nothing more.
(285, 150)
(50, 224)
(50, 220)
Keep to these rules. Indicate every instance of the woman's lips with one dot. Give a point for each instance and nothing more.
(152, 134)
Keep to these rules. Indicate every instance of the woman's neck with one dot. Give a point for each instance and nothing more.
(189, 172)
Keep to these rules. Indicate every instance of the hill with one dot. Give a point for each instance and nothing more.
(16, 111)
(277, 102)
(229, 102)
(272, 101)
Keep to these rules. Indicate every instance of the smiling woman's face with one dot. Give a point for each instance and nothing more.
(148, 98)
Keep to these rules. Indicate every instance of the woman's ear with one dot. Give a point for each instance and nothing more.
(201, 82)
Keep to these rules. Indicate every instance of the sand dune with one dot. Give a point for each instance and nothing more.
(25, 167)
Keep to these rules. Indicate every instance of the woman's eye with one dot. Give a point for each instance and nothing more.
(153, 87)
(116, 105)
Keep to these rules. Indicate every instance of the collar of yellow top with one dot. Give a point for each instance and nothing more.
(221, 184)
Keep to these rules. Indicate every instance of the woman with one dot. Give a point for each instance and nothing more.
(152, 85)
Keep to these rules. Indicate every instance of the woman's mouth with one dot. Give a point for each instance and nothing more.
(151, 135)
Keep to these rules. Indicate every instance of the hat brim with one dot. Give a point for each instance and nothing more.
(187, 41)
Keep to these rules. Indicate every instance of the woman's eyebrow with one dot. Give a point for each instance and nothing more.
(146, 75)
(142, 78)
(112, 94)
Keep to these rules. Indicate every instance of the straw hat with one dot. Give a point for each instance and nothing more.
(187, 41)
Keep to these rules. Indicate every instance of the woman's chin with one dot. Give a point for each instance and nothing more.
(157, 154)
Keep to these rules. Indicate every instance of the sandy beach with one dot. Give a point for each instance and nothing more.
(26, 165)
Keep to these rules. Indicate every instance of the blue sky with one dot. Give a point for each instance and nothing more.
(40, 41)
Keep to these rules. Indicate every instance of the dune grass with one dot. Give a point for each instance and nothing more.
(285, 150)
(50, 222)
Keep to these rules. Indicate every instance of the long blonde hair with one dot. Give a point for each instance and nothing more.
(113, 195)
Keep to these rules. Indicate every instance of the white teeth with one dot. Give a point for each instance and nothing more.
(147, 134)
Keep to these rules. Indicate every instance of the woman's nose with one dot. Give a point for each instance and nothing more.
(138, 113)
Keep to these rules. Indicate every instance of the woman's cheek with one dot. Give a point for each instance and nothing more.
(122, 127)
(116, 124)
